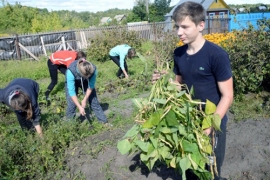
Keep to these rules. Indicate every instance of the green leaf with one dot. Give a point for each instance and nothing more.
(173, 163)
(154, 142)
(164, 151)
(207, 122)
(132, 131)
(181, 93)
(175, 138)
(144, 157)
(137, 102)
(160, 101)
(152, 121)
(157, 131)
(153, 160)
(216, 122)
(165, 130)
(198, 159)
(142, 145)
(124, 146)
(188, 146)
(182, 130)
(184, 165)
(171, 118)
(210, 107)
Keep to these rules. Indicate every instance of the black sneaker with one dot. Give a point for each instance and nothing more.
(48, 101)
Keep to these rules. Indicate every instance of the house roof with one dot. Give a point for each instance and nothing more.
(205, 3)
(119, 17)
(105, 19)
(242, 9)
(262, 7)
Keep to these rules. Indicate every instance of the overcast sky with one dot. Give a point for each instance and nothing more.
(101, 5)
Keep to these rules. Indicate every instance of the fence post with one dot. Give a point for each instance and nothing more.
(17, 47)
(63, 43)
(209, 24)
(43, 46)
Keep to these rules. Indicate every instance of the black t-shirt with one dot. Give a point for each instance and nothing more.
(203, 70)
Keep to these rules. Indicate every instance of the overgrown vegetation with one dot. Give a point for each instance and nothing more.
(102, 43)
(25, 156)
(249, 52)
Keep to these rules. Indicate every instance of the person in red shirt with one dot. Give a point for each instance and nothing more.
(60, 60)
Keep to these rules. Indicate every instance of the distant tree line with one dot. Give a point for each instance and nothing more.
(250, 8)
(19, 19)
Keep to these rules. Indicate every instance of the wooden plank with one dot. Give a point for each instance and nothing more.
(63, 43)
(69, 46)
(43, 46)
(26, 50)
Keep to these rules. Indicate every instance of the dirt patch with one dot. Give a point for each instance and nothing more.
(247, 154)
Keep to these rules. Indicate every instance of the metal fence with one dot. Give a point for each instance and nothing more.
(36, 45)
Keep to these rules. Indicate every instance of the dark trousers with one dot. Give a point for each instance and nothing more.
(24, 123)
(53, 69)
(93, 101)
(116, 60)
(220, 146)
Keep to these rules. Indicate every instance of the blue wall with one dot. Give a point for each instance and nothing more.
(241, 21)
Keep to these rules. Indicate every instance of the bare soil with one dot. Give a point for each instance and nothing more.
(96, 158)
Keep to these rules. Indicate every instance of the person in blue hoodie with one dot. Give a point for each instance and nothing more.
(21, 95)
(118, 55)
(82, 74)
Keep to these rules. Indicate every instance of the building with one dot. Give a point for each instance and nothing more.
(105, 20)
(216, 12)
(119, 18)
(214, 8)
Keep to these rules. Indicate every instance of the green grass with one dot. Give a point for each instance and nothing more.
(25, 156)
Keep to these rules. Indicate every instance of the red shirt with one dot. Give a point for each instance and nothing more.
(63, 57)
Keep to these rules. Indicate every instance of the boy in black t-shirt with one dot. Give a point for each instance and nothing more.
(205, 67)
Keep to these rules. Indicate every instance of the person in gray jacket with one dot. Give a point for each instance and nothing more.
(21, 95)
(82, 74)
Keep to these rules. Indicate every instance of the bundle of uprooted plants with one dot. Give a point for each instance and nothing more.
(169, 128)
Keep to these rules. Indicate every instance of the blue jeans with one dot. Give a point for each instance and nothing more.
(93, 101)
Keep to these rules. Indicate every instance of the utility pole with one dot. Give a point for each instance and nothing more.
(147, 9)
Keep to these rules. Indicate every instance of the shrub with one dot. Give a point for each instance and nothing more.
(103, 42)
(217, 38)
(250, 55)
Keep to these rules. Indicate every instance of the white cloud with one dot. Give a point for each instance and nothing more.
(101, 5)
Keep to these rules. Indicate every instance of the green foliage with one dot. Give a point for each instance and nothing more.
(22, 68)
(163, 48)
(18, 19)
(158, 9)
(103, 42)
(169, 128)
(23, 154)
(249, 52)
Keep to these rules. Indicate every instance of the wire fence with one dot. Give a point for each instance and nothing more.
(33, 46)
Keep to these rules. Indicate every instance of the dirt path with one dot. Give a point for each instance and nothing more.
(247, 155)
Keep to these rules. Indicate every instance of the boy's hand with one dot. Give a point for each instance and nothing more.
(157, 75)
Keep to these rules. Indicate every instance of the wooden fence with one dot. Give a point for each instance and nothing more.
(35, 45)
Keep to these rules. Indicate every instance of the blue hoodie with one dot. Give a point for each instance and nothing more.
(121, 51)
(28, 86)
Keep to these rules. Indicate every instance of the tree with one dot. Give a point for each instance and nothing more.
(158, 9)
(138, 12)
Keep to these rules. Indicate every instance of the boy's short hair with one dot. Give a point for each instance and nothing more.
(193, 10)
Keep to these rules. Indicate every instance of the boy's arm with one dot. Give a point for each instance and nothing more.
(226, 90)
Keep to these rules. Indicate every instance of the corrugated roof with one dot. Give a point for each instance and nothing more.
(105, 19)
(119, 17)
